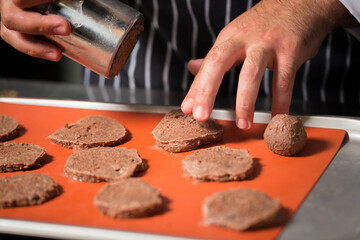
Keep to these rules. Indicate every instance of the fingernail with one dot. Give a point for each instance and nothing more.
(187, 105)
(51, 55)
(199, 113)
(59, 30)
(243, 124)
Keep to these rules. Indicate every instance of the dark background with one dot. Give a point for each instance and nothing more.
(18, 65)
(15, 64)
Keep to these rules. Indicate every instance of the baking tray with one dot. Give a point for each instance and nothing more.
(72, 215)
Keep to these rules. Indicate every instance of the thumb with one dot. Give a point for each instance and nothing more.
(194, 65)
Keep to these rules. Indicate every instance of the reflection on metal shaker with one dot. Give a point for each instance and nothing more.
(105, 32)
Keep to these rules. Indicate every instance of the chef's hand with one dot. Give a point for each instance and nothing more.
(20, 25)
(276, 34)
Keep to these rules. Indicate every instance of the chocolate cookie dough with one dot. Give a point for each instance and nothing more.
(219, 164)
(92, 131)
(241, 209)
(129, 198)
(20, 156)
(9, 128)
(26, 190)
(285, 135)
(103, 164)
(179, 132)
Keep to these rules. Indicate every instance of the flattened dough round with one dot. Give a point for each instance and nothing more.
(91, 131)
(129, 198)
(19, 156)
(179, 132)
(219, 164)
(26, 190)
(103, 164)
(9, 128)
(241, 209)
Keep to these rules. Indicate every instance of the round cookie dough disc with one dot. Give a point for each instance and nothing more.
(92, 131)
(19, 156)
(241, 209)
(103, 164)
(128, 198)
(9, 128)
(285, 135)
(26, 190)
(219, 164)
(179, 132)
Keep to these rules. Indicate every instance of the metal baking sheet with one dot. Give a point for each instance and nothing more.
(56, 230)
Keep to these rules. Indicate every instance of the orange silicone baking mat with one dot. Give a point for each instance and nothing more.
(287, 178)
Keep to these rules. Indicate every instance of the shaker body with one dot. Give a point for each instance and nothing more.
(105, 32)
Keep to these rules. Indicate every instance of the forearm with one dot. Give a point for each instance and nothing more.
(337, 13)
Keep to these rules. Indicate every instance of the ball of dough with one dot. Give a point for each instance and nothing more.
(285, 135)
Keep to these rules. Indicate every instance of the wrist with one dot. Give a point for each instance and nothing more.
(307, 18)
(334, 13)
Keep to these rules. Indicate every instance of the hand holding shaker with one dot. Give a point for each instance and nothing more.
(105, 32)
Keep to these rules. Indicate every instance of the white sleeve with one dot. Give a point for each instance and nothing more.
(354, 8)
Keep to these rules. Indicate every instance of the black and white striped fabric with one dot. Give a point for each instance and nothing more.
(179, 30)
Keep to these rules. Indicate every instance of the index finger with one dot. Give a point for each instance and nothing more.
(201, 96)
(30, 22)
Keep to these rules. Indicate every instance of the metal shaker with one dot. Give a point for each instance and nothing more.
(105, 32)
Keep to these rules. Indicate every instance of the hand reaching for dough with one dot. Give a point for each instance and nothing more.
(276, 34)
(19, 25)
